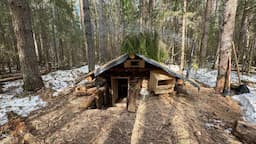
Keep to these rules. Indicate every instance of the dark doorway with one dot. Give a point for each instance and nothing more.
(122, 85)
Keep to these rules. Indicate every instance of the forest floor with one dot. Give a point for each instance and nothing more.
(202, 117)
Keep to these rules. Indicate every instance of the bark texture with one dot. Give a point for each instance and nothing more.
(223, 78)
(21, 17)
(89, 35)
(182, 58)
(101, 33)
(204, 41)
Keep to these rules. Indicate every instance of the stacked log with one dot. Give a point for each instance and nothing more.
(80, 91)
(93, 90)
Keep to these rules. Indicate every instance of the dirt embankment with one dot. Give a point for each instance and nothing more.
(189, 119)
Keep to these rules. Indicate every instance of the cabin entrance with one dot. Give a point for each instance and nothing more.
(122, 89)
(119, 88)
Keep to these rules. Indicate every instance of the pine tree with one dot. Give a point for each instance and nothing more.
(21, 16)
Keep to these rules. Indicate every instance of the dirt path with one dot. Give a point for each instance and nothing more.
(153, 122)
(69, 124)
(203, 118)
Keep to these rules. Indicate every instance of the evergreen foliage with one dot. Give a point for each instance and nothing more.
(147, 44)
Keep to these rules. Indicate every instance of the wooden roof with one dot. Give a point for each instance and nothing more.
(124, 57)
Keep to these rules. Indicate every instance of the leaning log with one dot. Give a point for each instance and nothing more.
(246, 132)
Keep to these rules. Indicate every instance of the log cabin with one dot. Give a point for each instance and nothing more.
(125, 76)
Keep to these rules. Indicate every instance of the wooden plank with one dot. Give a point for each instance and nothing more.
(135, 63)
(167, 85)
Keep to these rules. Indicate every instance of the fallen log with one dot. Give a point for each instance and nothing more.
(246, 132)
(19, 76)
(10, 79)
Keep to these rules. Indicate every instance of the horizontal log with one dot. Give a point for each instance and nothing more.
(91, 91)
(80, 91)
(246, 132)
(17, 77)
(84, 91)
(87, 102)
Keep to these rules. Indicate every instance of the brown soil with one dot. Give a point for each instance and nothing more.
(194, 118)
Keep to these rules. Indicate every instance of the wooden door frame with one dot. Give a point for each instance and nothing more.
(114, 88)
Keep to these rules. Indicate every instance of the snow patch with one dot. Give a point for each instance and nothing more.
(248, 105)
(209, 78)
(58, 81)
(62, 79)
(20, 106)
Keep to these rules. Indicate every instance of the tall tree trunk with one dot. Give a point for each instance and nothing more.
(89, 35)
(182, 58)
(84, 46)
(206, 25)
(102, 54)
(225, 47)
(21, 16)
(55, 49)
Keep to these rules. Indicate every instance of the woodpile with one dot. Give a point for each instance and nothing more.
(93, 90)
(246, 132)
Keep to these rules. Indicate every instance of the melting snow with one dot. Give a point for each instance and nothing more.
(247, 101)
(57, 81)
(21, 106)
(62, 79)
